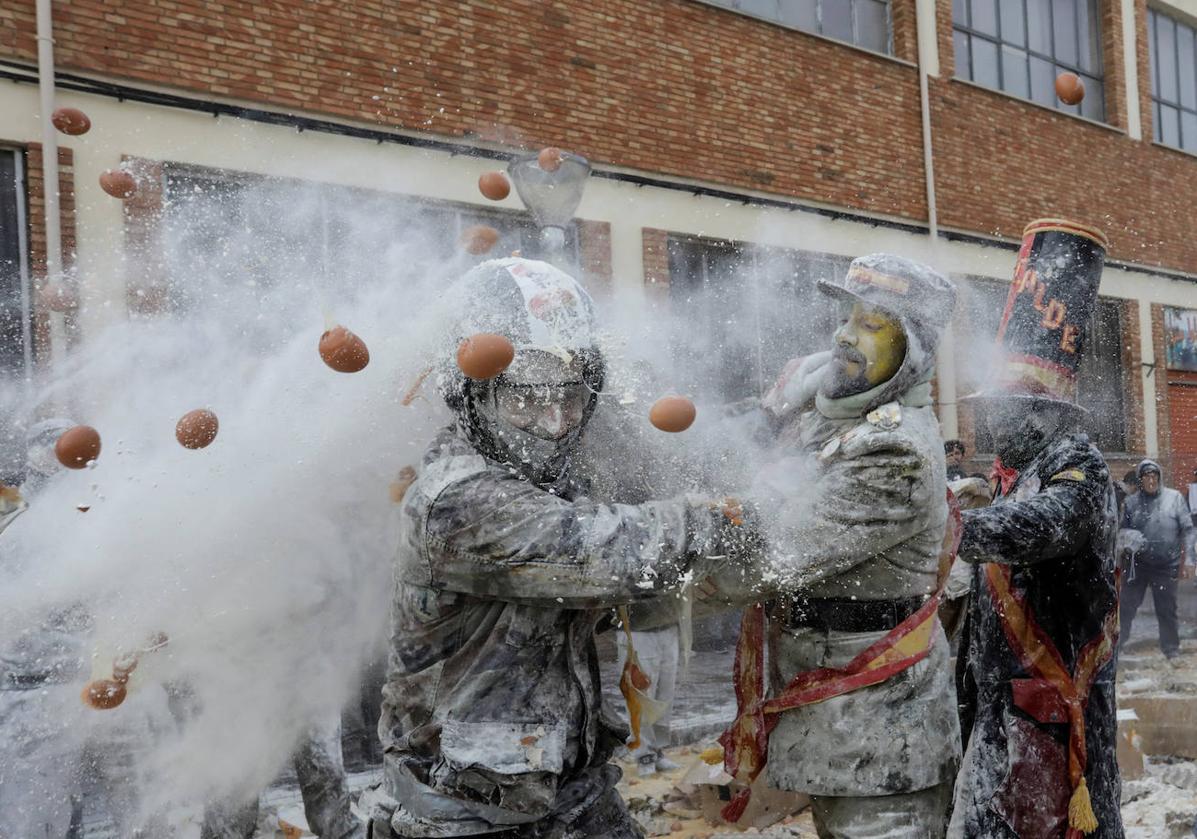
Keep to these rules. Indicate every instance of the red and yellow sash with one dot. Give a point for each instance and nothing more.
(746, 743)
(1039, 656)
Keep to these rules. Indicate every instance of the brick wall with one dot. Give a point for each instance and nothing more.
(671, 86)
(656, 264)
(594, 257)
(674, 87)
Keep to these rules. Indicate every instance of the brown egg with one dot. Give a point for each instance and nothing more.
(118, 183)
(77, 446)
(104, 694)
(70, 121)
(479, 239)
(484, 356)
(549, 159)
(197, 429)
(343, 351)
(640, 679)
(58, 298)
(82, 508)
(494, 185)
(1070, 88)
(672, 413)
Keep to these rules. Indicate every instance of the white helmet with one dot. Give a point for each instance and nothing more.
(549, 319)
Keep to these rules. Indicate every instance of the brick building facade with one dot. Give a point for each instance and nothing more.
(716, 128)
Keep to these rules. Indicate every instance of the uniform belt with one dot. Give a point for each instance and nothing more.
(852, 615)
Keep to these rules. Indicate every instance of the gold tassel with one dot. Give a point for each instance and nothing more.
(712, 755)
(1080, 809)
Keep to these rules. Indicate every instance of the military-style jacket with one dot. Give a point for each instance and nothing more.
(492, 702)
(868, 526)
(1056, 529)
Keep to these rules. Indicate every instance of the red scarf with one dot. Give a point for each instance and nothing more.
(1002, 476)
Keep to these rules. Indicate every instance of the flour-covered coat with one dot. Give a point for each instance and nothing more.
(870, 527)
(1056, 528)
(491, 712)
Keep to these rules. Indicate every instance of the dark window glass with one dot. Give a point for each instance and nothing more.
(1043, 82)
(1169, 125)
(1039, 26)
(837, 19)
(801, 14)
(872, 25)
(747, 310)
(1185, 66)
(1173, 49)
(1166, 58)
(1037, 40)
(865, 23)
(14, 314)
(963, 54)
(1013, 29)
(984, 16)
(1015, 78)
(1188, 131)
(985, 62)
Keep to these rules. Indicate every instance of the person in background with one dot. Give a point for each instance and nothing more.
(954, 454)
(655, 638)
(1161, 515)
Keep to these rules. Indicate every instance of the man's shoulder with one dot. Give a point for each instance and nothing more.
(892, 430)
(1072, 457)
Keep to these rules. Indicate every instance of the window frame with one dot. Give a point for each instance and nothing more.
(1158, 101)
(755, 259)
(818, 32)
(1098, 73)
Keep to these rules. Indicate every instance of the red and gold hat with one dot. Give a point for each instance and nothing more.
(1049, 311)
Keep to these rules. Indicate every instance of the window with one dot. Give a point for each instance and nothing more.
(1020, 46)
(1171, 45)
(1100, 386)
(744, 311)
(16, 324)
(865, 23)
(228, 233)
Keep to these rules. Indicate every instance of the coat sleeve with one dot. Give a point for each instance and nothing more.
(874, 494)
(502, 537)
(1057, 521)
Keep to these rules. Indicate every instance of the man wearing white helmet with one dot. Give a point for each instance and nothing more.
(491, 719)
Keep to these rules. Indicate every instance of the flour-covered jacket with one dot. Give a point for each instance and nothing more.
(867, 526)
(1166, 525)
(1056, 529)
(492, 703)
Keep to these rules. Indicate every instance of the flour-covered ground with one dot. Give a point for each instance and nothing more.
(1162, 804)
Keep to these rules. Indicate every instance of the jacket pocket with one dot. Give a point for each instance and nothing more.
(507, 748)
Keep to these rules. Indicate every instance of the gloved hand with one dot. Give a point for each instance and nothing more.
(797, 385)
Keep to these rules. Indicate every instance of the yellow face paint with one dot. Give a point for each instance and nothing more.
(870, 349)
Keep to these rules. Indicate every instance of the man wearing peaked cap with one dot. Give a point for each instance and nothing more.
(1038, 657)
(859, 709)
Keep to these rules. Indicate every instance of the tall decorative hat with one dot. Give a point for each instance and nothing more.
(1048, 318)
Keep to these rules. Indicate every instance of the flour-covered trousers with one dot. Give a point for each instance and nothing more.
(910, 815)
(657, 650)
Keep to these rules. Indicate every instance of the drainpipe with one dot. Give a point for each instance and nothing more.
(929, 65)
(45, 67)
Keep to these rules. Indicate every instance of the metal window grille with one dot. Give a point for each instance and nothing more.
(1021, 46)
(16, 314)
(742, 311)
(865, 23)
(1100, 386)
(1172, 46)
(233, 232)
